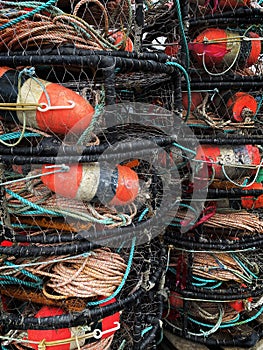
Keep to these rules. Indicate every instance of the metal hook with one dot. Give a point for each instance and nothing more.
(45, 107)
(97, 333)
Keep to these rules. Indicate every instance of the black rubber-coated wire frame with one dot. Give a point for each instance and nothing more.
(82, 318)
(71, 248)
(222, 244)
(206, 82)
(245, 341)
(218, 140)
(229, 294)
(91, 61)
(234, 15)
(225, 22)
(51, 147)
(155, 322)
(232, 193)
(73, 51)
(113, 156)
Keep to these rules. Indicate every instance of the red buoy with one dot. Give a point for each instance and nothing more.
(75, 113)
(233, 158)
(64, 334)
(117, 186)
(235, 106)
(216, 47)
(250, 202)
(120, 37)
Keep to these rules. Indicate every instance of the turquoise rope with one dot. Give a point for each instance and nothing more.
(6, 280)
(142, 214)
(144, 331)
(184, 148)
(188, 86)
(33, 205)
(243, 266)
(181, 27)
(203, 279)
(125, 276)
(25, 272)
(17, 134)
(27, 15)
(231, 324)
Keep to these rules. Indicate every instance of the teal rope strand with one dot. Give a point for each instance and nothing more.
(125, 276)
(184, 148)
(27, 15)
(188, 86)
(33, 205)
(181, 27)
(17, 134)
(231, 324)
(6, 280)
(25, 272)
(144, 331)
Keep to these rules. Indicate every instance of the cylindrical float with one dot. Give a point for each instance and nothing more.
(117, 186)
(230, 160)
(119, 37)
(250, 202)
(235, 106)
(64, 334)
(74, 115)
(215, 48)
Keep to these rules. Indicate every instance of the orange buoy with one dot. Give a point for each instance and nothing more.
(229, 159)
(64, 334)
(196, 100)
(85, 181)
(75, 113)
(216, 47)
(120, 37)
(250, 202)
(235, 106)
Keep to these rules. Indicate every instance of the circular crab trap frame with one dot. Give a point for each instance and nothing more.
(226, 75)
(63, 292)
(209, 302)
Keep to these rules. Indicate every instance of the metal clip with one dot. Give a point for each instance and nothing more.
(97, 333)
(45, 107)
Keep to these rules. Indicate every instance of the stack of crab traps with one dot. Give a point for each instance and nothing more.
(130, 173)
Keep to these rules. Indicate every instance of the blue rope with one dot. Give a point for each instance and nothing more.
(33, 205)
(27, 15)
(188, 86)
(125, 276)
